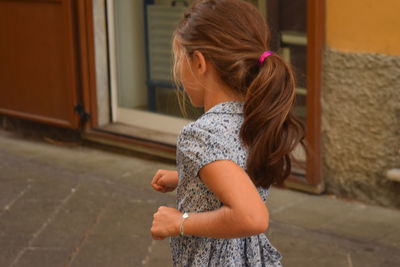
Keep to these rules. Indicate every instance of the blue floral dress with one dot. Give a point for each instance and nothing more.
(214, 136)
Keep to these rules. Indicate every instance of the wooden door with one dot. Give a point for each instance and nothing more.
(38, 61)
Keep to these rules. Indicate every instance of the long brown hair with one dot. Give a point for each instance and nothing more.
(232, 35)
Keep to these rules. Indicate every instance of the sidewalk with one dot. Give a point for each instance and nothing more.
(77, 206)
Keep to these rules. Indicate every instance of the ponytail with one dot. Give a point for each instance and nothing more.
(270, 130)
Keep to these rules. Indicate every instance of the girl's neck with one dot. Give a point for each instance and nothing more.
(216, 91)
(211, 102)
(219, 94)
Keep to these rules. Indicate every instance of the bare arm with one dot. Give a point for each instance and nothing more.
(243, 213)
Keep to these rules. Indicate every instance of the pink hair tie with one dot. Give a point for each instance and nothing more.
(264, 56)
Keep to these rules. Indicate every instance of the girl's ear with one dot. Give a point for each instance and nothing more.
(199, 62)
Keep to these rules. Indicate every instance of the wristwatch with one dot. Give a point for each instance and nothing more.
(184, 217)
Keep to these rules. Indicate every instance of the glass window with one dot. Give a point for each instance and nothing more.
(140, 61)
(142, 91)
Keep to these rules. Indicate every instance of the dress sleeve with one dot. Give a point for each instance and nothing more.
(197, 147)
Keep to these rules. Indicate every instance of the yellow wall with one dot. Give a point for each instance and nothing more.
(363, 25)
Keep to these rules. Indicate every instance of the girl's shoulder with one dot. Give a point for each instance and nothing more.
(223, 118)
(216, 127)
(214, 136)
(197, 131)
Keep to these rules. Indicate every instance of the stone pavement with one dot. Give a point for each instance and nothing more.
(79, 206)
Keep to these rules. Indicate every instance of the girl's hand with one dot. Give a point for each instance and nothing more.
(166, 223)
(165, 181)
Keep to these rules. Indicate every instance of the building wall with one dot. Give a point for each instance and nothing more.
(363, 26)
(361, 99)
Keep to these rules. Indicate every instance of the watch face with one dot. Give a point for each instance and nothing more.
(185, 215)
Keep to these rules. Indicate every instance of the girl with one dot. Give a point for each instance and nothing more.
(229, 157)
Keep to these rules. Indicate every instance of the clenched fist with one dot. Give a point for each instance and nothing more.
(166, 223)
(165, 181)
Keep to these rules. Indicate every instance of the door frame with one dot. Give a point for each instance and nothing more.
(315, 48)
(86, 59)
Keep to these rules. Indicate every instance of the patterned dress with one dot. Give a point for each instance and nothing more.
(214, 136)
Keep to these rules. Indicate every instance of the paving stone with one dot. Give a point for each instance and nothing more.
(312, 208)
(159, 255)
(55, 257)
(10, 246)
(12, 189)
(280, 199)
(391, 238)
(363, 223)
(121, 237)
(76, 217)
